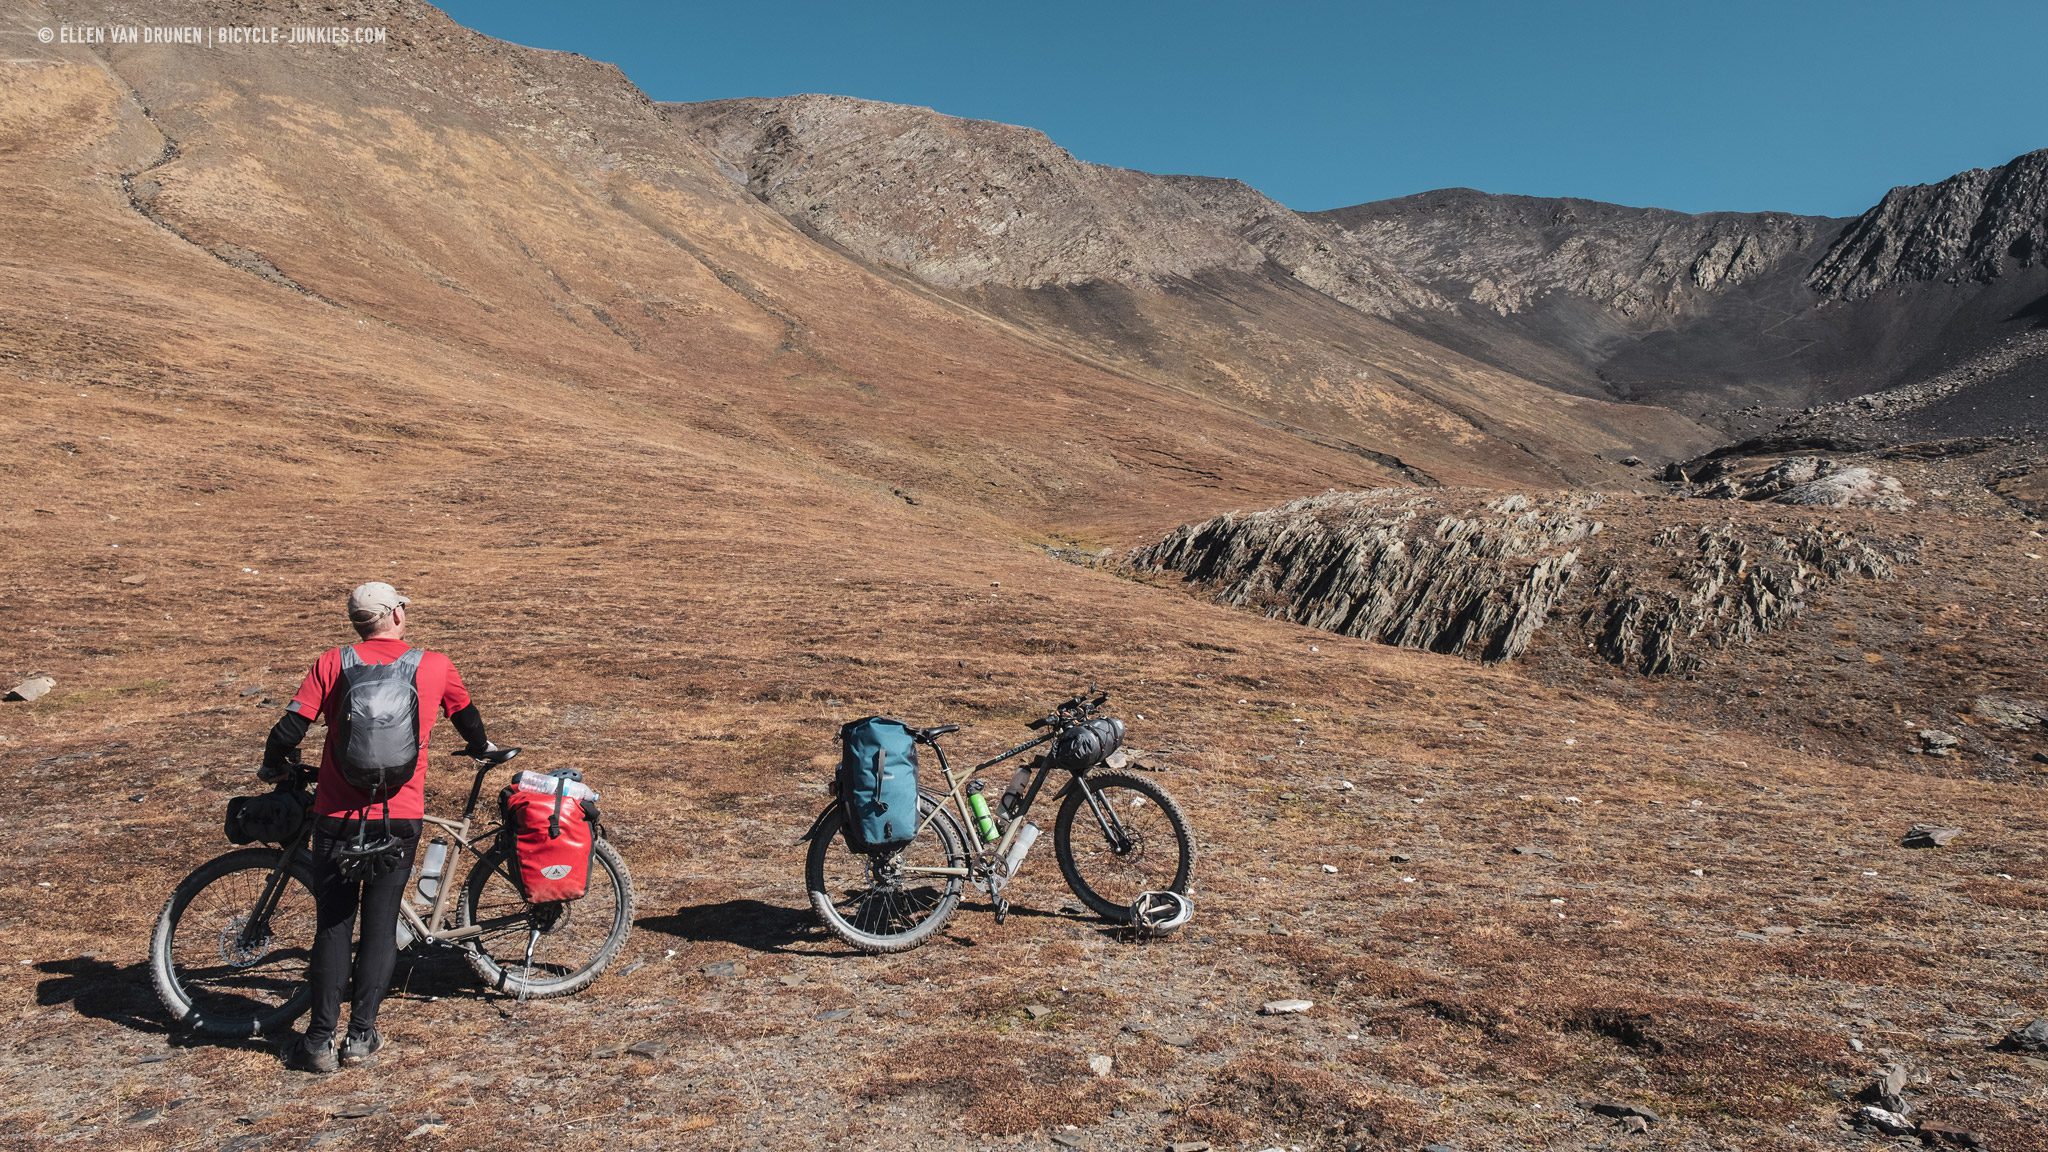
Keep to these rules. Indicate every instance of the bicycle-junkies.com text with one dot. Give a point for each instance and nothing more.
(222, 36)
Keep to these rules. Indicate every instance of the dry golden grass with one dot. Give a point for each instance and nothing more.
(680, 565)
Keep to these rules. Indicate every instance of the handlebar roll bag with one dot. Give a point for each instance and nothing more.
(271, 818)
(1085, 745)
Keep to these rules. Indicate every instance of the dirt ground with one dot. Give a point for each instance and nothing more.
(678, 561)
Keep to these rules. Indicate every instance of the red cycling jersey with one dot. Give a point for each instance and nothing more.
(441, 693)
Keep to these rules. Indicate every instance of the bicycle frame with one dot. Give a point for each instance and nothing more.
(988, 855)
(434, 926)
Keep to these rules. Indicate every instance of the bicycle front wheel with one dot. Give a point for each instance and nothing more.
(888, 902)
(219, 968)
(1132, 839)
(538, 951)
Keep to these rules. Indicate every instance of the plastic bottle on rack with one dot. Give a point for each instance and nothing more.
(1013, 795)
(430, 870)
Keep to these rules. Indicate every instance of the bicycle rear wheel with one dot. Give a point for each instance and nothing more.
(216, 972)
(1138, 842)
(882, 903)
(539, 951)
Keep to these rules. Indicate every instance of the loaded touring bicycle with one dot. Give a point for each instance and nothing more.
(231, 946)
(885, 885)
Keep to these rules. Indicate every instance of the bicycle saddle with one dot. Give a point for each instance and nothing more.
(928, 734)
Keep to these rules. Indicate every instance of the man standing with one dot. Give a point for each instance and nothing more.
(357, 867)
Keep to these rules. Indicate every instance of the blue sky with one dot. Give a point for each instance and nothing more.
(1805, 107)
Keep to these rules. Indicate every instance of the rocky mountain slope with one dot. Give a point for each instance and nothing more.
(1197, 284)
(682, 484)
(1975, 226)
(1505, 253)
(1713, 315)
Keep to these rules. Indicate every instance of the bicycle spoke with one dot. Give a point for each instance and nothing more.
(231, 975)
(871, 902)
(1122, 844)
(571, 935)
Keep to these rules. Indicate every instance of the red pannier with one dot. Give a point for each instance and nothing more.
(554, 827)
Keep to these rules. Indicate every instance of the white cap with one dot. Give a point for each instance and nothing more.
(373, 601)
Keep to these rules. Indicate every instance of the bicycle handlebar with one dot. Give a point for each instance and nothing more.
(1072, 710)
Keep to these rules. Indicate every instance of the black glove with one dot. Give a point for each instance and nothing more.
(280, 767)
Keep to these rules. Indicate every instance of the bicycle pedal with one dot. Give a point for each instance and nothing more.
(1002, 910)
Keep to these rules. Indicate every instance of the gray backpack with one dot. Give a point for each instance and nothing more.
(380, 723)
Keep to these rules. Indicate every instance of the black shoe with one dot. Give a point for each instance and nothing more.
(361, 1049)
(319, 1059)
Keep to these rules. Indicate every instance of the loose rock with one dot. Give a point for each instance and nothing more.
(2032, 1038)
(1935, 742)
(2008, 712)
(1615, 1111)
(33, 688)
(1885, 1121)
(1938, 1134)
(1100, 1065)
(1929, 836)
(1284, 1007)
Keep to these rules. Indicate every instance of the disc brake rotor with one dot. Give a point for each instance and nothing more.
(240, 953)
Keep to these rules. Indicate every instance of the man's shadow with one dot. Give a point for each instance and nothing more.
(748, 923)
(120, 994)
(124, 994)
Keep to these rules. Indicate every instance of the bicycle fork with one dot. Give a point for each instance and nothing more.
(257, 929)
(1106, 819)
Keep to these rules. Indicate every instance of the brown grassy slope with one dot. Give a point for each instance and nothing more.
(1193, 285)
(657, 575)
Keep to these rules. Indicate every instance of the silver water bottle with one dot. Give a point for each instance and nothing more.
(1014, 858)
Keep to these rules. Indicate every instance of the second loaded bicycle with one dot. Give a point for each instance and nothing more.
(1117, 835)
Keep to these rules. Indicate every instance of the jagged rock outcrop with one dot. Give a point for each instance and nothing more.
(1448, 573)
(1659, 609)
(1503, 253)
(1809, 481)
(1400, 568)
(1967, 227)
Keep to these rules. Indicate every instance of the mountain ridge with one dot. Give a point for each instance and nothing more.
(1709, 314)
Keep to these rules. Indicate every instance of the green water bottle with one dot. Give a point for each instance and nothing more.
(984, 823)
